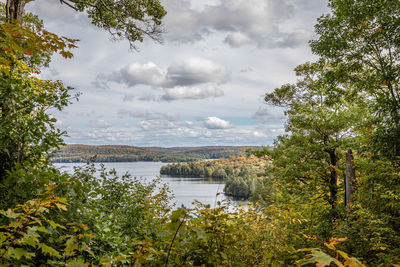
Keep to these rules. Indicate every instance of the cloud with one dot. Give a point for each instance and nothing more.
(136, 73)
(150, 125)
(270, 130)
(244, 21)
(99, 124)
(237, 39)
(216, 123)
(128, 98)
(164, 124)
(134, 113)
(190, 72)
(144, 114)
(197, 71)
(293, 39)
(268, 115)
(229, 34)
(56, 11)
(149, 97)
(249, 69)
(183, 92)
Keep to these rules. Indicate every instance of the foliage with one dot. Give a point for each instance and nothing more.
(27, 132)
(110, 153)
(111, 218)
(361, 40)
(31, 238)
(348, 99)
(123, 19)
(323, 259)
(321, 122)
(242, 174)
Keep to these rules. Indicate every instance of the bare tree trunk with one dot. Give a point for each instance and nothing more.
(333, 180)
(14, 10)
(349, 177)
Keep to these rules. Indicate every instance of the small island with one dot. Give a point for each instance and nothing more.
(244, 175)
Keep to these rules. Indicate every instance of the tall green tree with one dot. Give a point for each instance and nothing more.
(321, 120)
(361, 38)
(349, 98)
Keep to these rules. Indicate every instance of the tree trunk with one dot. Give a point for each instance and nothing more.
(14, 10)
(333, 180)
(349, 177)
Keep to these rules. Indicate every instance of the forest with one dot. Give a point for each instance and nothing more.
(85, 153)
(331, 191)
(244, 176)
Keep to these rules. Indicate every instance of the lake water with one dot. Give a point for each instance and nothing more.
(185, 189)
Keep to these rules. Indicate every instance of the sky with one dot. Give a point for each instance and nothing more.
(204, 85)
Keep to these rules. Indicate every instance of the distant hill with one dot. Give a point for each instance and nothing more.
(118, 153)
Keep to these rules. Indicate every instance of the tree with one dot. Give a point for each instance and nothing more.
(346, 101)
(27, 132)
(321, 120)
(123, 19)
(361, 38)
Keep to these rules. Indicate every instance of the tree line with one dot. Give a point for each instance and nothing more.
(115, 153)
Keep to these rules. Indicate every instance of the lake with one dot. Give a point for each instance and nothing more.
(185, 189)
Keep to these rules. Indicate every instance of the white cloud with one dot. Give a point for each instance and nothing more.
(134, 113)
(148, 73)
(245, 21)
(164, 124)
(259, 134)
(151, 125)
(264, 114)
(216, 123)
(144, 114)
(196, 71)
(237, 39)
(128, 98)
(190, 72)
(136, 73)
(99, 124)
(184, 92)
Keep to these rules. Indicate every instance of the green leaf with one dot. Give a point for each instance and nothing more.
(76, 263)
(319, 257)
(18, 253)
(54, 225)
(49, 250)
(43, 230)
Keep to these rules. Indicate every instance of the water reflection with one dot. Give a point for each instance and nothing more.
(192, 180)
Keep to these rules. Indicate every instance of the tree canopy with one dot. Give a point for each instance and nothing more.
(123, 19)
(361, 39)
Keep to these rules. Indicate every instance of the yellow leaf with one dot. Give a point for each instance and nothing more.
(61, 206)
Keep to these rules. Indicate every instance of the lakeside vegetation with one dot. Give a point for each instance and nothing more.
(332, 196)
(244, 175)
(115, 153)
